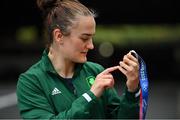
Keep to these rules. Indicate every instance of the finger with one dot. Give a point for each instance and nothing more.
(108, 83)
(126, 60)
(130, 62)
(111, 69)
(123, 70)
(131, 57)
(125, 66)
(107, 76)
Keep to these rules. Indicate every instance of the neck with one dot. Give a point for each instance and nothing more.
(64, 67)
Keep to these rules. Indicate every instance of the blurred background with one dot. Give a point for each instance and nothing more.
(150, 27)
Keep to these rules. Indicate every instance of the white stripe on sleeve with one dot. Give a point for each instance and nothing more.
(87, 97)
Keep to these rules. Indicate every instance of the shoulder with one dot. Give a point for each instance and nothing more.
(29, 85)
(95, 67)
(34, 69)
(31, 75)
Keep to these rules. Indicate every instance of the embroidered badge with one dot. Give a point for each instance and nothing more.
(90, 80)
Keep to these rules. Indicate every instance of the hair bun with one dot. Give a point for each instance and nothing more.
(46, 5)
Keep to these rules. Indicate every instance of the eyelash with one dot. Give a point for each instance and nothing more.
(85, 39)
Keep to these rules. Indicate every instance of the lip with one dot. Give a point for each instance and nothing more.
(85, 53)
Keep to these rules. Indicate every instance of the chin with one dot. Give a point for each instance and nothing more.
(82, 60)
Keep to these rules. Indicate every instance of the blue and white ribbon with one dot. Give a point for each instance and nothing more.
(144, 86)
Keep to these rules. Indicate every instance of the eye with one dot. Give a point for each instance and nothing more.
(85, 38)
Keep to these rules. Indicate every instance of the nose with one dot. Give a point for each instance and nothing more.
(90, 44)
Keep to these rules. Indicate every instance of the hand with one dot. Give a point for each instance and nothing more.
(103, 80)
(130, 68)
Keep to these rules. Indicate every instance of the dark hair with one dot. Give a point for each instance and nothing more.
(60, 14)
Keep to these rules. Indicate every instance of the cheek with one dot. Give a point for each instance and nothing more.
(75, 44)
(78, 45)
(72, 50)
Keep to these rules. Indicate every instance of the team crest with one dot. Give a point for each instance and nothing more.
(90, 80)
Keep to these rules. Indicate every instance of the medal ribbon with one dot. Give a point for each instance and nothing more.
(144, 87)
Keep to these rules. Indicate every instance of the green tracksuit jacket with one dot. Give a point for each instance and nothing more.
(43, 94)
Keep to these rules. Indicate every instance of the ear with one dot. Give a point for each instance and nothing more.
(57, 36)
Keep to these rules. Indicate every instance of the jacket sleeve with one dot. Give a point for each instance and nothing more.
(33, 104)
(125, 106)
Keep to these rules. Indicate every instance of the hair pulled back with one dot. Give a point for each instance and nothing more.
(60, 14)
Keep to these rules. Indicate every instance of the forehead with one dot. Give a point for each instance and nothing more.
(84, 24)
